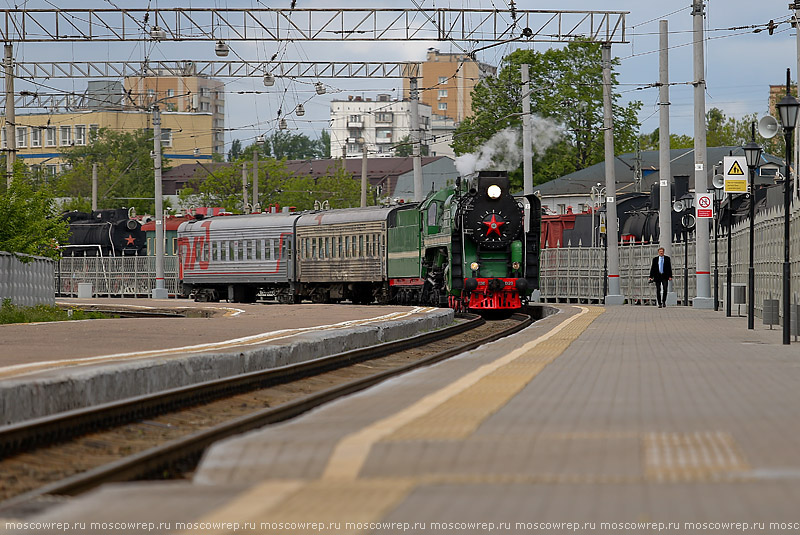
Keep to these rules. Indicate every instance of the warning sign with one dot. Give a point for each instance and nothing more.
(705, 205)
(735, 169)
(734, 173)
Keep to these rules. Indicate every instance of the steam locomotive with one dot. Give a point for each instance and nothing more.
(104, 233)
(472, 246)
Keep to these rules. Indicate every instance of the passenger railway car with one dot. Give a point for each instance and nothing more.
(471, 246)
(233, 257)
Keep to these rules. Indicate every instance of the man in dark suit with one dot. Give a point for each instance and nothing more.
(661, 273)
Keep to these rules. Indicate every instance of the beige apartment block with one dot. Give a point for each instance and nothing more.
(40, 137)
(447, 82)
(189, 93)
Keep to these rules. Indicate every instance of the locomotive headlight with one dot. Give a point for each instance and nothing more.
(474, 266)
(515, 266)
(494, 191)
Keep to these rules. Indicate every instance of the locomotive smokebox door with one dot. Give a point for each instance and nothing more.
(495, 216)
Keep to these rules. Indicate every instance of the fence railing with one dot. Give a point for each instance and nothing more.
(123, 276)
(576, 274)
(28, 283)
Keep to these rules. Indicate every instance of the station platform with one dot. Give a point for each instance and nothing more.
(623, 419)
(52, 367)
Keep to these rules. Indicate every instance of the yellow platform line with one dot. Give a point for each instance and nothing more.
(351, 452)
(256, 339)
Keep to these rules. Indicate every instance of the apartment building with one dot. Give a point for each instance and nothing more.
(447, 81)
(40, 137)
(380, 124)
(187, 93)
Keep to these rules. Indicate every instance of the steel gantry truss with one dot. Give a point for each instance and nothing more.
(250, 24)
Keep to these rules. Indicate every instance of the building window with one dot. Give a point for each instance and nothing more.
(383, 135)
(205, 92)
(443, 79)
(354, 119)
(170, 92)
(94, 131)
(443, 105)
(354, 133)
(22, 136)
(384, 117)
(442, 93)
(51, 169)
(36, 137)
(151, 93)
(50, 136)
(66, 136)
(80, 134)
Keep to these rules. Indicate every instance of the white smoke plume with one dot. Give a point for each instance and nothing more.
(503, 152)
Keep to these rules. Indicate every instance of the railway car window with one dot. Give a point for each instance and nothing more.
(347, 246)
(215, 251)
(367, 251)
(174, 246)
(313, 248)
(360, 245)
(231, 251)
(340, 246)
(150, 249)
(354, 244)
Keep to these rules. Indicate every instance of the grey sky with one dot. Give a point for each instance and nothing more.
(740, 64)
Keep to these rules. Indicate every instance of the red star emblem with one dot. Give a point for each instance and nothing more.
(130, 240)
(493, 225)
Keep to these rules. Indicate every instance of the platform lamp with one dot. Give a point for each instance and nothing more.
(752, 154)
(787, 108)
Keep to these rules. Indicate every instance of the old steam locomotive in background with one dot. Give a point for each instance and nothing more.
(111, 232)
(471, 246)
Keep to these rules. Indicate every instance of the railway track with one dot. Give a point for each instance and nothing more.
(163, 435)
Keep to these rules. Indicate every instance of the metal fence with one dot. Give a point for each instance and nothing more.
(122, 276)
(576, 274)
(26, 283)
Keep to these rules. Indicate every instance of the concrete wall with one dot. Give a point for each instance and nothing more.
(27, 283)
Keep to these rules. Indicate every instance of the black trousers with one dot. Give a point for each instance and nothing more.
(661, 291)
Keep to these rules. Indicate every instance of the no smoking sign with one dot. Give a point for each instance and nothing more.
(705, 205)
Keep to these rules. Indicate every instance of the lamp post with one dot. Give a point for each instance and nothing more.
(752, 153)
(787, 108)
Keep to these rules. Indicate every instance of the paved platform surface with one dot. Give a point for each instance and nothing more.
(62, 341)
(617, 420)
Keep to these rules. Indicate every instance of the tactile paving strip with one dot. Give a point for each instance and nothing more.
(692, 456)
(459, 416)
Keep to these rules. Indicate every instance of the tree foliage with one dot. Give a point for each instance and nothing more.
(721, 131)
(125, 170)
(276, 185)
(28, 219)
(566, 87)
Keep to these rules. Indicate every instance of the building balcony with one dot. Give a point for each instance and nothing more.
(355, 125)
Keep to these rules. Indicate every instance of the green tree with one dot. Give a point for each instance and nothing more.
(294, 146)
(28, 219)
(223, 187)
(324, 142)
(676, 141)
(125, 170)
(235, 151)
(566, 87)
